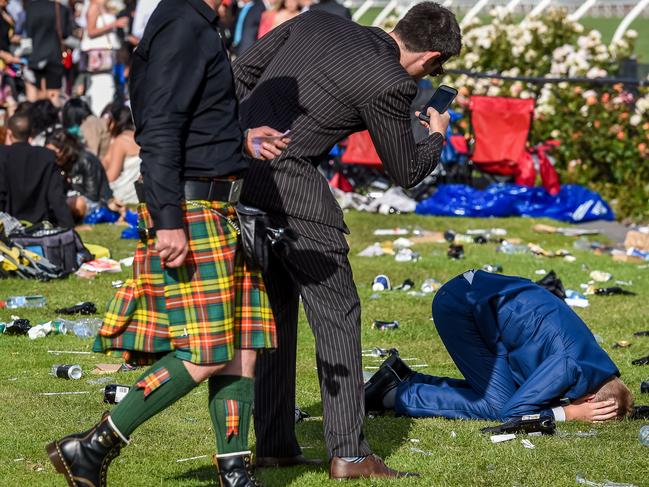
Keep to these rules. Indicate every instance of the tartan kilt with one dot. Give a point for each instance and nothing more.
(203, 310)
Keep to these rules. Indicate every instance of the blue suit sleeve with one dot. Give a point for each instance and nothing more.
(545, 386)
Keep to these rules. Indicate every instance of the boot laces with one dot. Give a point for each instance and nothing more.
(250, 472)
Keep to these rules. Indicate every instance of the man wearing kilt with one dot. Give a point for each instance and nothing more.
(192, 309)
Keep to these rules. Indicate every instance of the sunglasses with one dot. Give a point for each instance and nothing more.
(438, 70)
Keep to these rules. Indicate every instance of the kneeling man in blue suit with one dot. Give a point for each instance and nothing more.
(521, 351)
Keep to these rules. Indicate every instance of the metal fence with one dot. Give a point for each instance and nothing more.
(598, 8)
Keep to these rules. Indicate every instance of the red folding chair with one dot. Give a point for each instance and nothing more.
(501, 127)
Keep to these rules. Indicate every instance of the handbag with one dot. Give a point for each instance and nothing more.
(100, 60)
(62, 247)
(66, 52)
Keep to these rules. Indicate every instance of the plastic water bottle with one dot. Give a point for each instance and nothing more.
(644, 435)
(508, 248)
(15, 302)
(86, 327)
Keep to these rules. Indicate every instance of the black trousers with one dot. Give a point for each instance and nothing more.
(318, 270)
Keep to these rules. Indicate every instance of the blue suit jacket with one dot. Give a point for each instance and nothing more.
(551, 351)
(520, 348)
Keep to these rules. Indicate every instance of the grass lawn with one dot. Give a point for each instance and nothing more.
(467, 458)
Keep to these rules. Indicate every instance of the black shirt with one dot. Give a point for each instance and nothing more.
(31, 185)
(184, 105)
(5, 33)
(40, 25)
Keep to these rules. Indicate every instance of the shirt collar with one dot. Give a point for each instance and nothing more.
(387, 38)
(203, 9)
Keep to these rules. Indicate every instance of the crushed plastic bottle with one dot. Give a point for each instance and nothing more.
(510, 249)
(86, 327)
(15, 302)
(644, 435)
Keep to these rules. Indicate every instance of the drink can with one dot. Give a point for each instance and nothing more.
(58, 327)
(385, 325)
(67, 371)
(430, 286)
(114, 393)
(381, 283)
(3, 327)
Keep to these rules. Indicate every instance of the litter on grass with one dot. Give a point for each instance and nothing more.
(74, 393)
(528, 444)
(421, 452)
(607, 483)
(191, 458)
(502, 438)
(74, 352)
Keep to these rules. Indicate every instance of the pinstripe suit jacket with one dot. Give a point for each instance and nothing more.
(325, 77)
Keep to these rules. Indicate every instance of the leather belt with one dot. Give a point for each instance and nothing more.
(226, 190)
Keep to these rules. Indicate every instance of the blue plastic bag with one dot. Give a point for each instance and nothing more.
(574, 203)
(101, 215)
(131, 232)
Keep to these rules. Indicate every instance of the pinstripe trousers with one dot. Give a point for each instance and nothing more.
(317, 269)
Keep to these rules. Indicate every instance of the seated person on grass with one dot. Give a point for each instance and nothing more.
(31, 185)
(521, 350)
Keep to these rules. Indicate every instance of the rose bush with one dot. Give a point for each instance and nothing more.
(603, 129)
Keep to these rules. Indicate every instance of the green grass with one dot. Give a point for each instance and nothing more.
(29, 421)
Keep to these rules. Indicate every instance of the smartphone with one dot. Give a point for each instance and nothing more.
(440, 101)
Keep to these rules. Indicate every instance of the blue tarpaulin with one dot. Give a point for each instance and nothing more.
(574, 203)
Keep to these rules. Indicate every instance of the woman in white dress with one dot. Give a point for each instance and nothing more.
(99, 44)
(122, 162)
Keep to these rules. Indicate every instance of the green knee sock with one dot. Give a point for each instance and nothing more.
(158, 388)
(231, 399)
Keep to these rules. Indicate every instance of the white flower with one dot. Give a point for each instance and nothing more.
(530, 55)
(584, 111)
(526, 94)
(595, 34)
(578, 28)
(631, 34)
(596, 73)
(635, 119)
(545, 109)
(555, 134)
(589, 93)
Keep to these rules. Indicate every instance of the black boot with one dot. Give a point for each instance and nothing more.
(83, 458)
(235, 470)
(392, 372)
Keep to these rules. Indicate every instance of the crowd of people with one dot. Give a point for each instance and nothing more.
(64, 66)
(60, 165)
(60, 48)
(226, 148)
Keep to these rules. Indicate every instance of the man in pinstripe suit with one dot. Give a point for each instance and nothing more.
(324, 77)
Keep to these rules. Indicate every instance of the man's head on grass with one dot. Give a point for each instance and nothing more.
(615, 389)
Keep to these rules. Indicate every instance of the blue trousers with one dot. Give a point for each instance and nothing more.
(488, 383)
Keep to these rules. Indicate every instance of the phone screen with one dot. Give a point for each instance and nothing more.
(440, 101)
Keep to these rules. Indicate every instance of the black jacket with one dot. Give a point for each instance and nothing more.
(332, 7)
(31, 185)
(88, 178)
(325, 77)
(251, 26)
(40, 24)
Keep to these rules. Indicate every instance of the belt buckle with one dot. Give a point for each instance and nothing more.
(235, 190)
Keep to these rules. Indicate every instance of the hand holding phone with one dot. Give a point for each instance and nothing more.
(440, 101)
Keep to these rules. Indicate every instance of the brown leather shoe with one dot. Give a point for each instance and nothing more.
(265, 462)
(371, 467)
